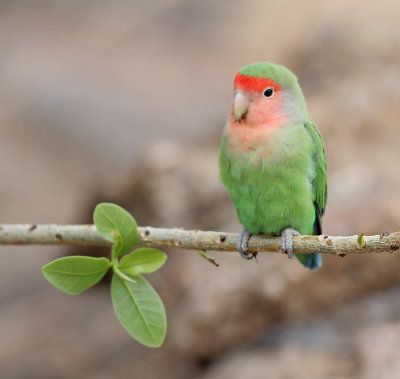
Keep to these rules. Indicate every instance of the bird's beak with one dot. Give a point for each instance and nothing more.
(240, 105)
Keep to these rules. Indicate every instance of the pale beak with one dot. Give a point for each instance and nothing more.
(240, 105)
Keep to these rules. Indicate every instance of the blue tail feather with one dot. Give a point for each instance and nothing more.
(313, 261)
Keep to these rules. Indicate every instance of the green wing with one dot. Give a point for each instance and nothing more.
(319, 182)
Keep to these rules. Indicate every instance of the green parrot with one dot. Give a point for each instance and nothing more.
(272, 160)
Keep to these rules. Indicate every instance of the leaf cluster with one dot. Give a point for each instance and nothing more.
(136, 303)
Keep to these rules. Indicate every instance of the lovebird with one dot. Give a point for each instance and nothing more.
(272, 160)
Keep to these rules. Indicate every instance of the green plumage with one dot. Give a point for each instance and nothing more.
(276, 72)
(280, 183)
(273, 193)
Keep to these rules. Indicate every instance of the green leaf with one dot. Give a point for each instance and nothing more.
(140, 310)
(142, 261)
(361, 240)
(116, 225)
(75, 274)
(208, 257)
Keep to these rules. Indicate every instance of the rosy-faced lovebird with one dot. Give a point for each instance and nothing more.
(272, 159)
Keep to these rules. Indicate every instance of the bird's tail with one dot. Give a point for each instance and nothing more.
(312, 261)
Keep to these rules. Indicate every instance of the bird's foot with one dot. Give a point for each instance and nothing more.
(287, 241)
(243, 244)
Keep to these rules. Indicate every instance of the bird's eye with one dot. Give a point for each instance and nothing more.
(268, 92)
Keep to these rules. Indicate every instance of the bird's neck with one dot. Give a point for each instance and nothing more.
(243, 137)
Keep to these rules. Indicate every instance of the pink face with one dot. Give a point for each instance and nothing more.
(258, 103)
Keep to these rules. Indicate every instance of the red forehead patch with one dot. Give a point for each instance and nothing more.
(252, 83)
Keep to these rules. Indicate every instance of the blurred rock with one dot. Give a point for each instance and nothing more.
(76, 336)
(358, 341)
(378, 348)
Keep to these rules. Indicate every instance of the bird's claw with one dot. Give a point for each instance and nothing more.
(287, 241)
(243, 244)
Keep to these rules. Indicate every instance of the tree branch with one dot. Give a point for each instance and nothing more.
(87, 235)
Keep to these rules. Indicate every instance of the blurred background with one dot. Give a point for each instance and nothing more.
(125, 102)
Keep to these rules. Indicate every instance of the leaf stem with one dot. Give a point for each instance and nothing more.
(123, 276)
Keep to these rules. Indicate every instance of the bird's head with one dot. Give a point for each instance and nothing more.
(267, 94)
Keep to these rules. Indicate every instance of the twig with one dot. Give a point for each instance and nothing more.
(85, 235)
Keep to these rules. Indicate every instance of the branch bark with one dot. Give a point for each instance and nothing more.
(87, 235)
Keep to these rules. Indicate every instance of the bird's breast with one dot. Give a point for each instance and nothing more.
(243, 139)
